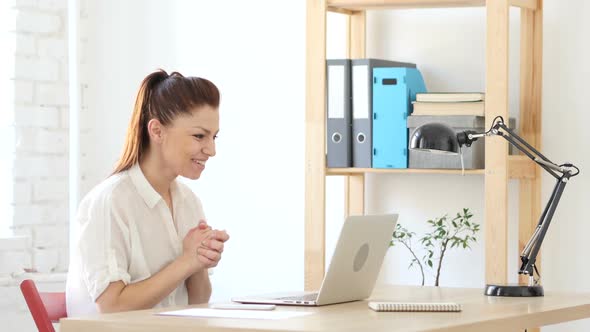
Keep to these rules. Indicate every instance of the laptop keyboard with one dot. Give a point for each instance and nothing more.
(307, 297)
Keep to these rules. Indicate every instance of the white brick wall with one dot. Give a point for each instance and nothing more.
(21, 192)
(14, 260)
(25, 44)
(41, 154)
(40, 184)
(30, 19)
(37, 116)
(39, 140)
(35, 69)
(52, 93)
(23, 92)
(38, 166)
(53, 47)
(41, 213)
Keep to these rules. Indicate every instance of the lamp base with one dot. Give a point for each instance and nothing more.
(514, 290)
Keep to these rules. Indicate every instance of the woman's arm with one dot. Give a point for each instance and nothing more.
(146, 293)
(198, 287)
(149, 292)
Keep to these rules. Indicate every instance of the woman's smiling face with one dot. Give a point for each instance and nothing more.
(189, 141)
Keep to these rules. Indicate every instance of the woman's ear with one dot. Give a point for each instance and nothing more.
(155, 130)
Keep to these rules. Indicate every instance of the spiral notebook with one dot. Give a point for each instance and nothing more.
(415, 306)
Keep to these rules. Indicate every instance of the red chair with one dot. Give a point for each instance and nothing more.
(44, 307)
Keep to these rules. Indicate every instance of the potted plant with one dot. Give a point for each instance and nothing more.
(446, 234)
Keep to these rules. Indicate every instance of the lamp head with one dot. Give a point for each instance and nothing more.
(435, 137)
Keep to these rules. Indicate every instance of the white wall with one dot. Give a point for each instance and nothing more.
(254, 186)
(565, 138)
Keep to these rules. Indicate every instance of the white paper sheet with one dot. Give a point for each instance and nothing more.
(249, 314)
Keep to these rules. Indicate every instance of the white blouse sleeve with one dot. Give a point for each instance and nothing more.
(103, 246)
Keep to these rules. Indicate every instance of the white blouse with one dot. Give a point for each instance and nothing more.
(126, 232)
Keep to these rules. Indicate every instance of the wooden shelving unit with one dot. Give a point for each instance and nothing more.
(499, 166)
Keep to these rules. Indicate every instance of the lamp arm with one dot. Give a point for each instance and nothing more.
(529, 254)
(527, 248)
(531, 250)
(468, 137)
(546, 165)
(527, 149)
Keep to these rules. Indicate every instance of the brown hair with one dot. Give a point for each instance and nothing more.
(162, 96)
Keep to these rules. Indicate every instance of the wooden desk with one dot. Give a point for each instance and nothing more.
(480, 313)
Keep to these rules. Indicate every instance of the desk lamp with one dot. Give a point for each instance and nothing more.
(439, 138)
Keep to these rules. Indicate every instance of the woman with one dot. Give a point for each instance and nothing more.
(143, 239)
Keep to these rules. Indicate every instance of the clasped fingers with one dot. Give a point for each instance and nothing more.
(210, 258)
(219, 235)
(213, 244)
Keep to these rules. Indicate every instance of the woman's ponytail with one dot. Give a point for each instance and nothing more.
(137, 135)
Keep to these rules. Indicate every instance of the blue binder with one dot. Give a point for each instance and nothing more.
(362, 107)
(394, 89)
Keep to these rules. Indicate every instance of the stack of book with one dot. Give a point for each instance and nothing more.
(449, 103)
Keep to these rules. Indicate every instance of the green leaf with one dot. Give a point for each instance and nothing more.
(429, 263)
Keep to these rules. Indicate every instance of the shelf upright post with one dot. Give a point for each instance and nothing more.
(496, 150)
(354, 184)
(315, 137)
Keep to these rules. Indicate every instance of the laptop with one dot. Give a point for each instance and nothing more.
(354, 267)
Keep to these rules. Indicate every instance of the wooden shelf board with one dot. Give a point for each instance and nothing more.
(347, 171)
(350, 6)
(520, 167)
(355, 5)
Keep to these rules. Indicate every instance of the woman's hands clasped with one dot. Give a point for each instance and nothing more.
(203, 246)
